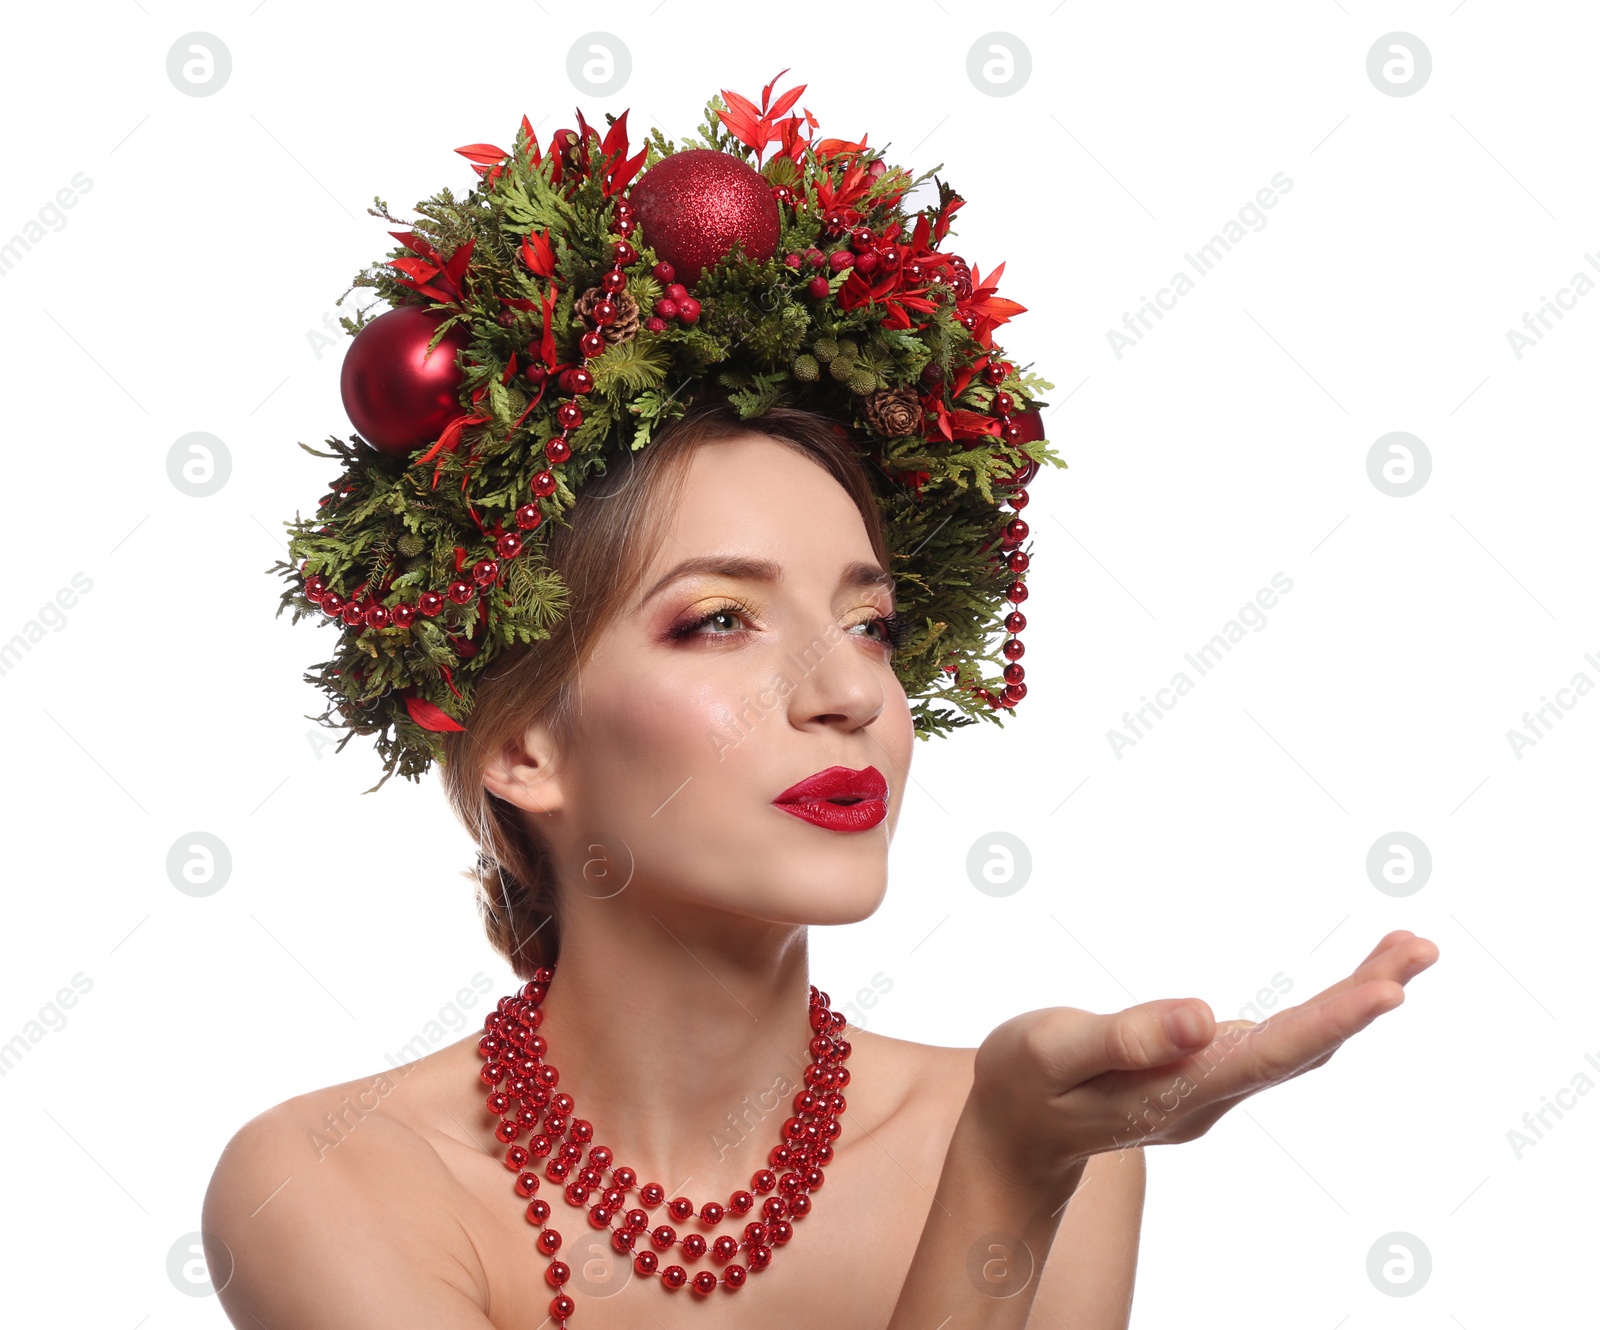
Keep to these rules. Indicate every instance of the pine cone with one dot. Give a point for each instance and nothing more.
(893, 412)
(624, 326)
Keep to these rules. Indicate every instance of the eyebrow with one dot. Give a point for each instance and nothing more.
(855, 575)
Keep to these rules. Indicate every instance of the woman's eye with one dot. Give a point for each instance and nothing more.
(724, 616)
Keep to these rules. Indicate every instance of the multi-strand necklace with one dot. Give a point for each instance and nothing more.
(522, 1082)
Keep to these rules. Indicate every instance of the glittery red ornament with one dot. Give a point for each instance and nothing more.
(397, 396)
(696, 205)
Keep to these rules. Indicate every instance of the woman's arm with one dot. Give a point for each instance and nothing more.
(984, 1242)
(1088, 1280)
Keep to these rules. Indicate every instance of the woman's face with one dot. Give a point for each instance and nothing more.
(716, 691)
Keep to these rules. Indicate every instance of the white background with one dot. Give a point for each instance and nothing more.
(1230, 444)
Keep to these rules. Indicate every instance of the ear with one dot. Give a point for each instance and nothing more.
(524, 772)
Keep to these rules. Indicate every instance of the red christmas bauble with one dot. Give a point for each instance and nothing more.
(399, 398)
(697, 204)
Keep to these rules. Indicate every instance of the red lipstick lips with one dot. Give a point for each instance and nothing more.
(839, 799)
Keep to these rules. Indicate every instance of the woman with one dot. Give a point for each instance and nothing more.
(669, 697)
(623, 789)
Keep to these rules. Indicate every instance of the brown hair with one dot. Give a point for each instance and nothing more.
(601, 554)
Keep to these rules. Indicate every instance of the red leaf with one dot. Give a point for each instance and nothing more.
(972, 423)
(784, 102)
(425, 714)
(417, 245)
(617, 180)
(456, 267)
(745, 128)
(486, 153)
(998, 308)
(417, 269)
(450, 437)
(616, 139)
(432, 292)
(991, 281)
(743, 105)
(547, 339)
(538, 254)
(766, 92)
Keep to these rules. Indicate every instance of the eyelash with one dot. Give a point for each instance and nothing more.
(895, 626)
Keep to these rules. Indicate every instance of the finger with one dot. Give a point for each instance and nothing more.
(1400, 956)
(1250, 1059)
(1151, 1034)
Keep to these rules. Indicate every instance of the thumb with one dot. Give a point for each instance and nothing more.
(1151, 1034)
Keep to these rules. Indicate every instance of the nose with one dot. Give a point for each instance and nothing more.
(839, 682)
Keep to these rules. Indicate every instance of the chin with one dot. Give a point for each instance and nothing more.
(844, 887)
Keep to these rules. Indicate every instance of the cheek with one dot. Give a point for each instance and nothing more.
(650, 725)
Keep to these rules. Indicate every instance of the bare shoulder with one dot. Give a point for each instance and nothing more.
(326, 1210)
(1109, 1200)
(916, 1078)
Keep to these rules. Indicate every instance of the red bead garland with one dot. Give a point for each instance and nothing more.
(523, 1084)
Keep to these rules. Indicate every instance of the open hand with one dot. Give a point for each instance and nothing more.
(1054, 1086)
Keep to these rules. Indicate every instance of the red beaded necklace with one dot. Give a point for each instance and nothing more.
(514, 1054)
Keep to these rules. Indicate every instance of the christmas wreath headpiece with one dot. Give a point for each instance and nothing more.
(578, 299)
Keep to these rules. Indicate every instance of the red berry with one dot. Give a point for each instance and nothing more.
(688, 309)
(818, 287)
(792, 260)
(663, 272)
(667, 307)
(815, 257)
(655, 325)
(865, 263)
(840, 258)
(677, 291)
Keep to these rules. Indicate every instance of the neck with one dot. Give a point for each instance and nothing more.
(681, 1035)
